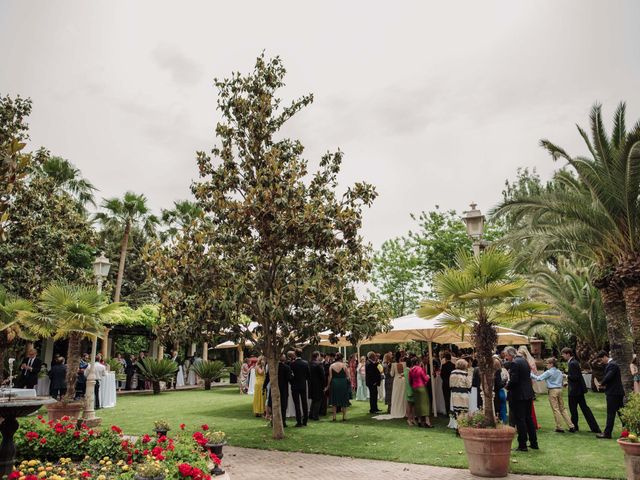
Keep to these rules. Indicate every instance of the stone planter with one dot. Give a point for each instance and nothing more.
(488, 450)
(631, 458)
(57, 410)
(216, 448)
(161, 432)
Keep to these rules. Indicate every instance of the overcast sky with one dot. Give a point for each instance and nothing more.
(433, 102)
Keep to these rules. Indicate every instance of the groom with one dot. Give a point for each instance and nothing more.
(301, 374)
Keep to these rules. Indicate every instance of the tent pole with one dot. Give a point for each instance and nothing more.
(433, 385)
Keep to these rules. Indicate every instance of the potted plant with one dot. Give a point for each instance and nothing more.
(215, 442)
(209, 371)
(629, 440)
(480, 290)
(150, 470)
(157, 371)
(161, 427)
(72, 312)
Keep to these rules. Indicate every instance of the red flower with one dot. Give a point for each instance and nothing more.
(145, 452)
(115, 428)
(205, 427)
(31, 477)
(159, 457)
(124, 444)
(146, 438)
(65, 418)
(91, 432)
(39, 417)
(185, 469)
(156, 451)
(182, 426)
(85, 474)
(76, 434)
(43, 440)
(162, 439)
(215, 459)
(13, 475)
(625, 433)
(32, 435)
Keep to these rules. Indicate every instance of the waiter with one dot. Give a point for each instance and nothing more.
(29, 369)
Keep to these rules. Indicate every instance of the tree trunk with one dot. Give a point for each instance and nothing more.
(272, 355)
(618, 329)
(207, 384)
(73, 364)
(123, 256)
(631, 295)
(156, 388)
(485, 339)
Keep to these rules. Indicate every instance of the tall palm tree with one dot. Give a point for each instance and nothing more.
(595, 213)
(13, 323)
(485, 290)
(578, 304)
(73, 312)
(183, 214)
(69, 178)
(123, 214)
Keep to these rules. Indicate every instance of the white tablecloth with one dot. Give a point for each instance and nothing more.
(108, 390)
(43, 386)
(20, 392)
(180, 377)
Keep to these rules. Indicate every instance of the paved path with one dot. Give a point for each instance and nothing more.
(251, 464)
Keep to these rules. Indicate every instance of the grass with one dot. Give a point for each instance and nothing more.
(572, 455)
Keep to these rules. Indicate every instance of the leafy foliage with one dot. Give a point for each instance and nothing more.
(157, 371)
(209, 371)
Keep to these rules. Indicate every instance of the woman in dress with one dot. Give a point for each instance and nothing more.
(258, 393)
(460, 384)
(524, 351)
(636, 373)
(418, 379)
(499, 395)
(362, 393)
(388, 379)
(398, 401)
(353, 368)
(340, 384)
(408, 393)
(244, 376)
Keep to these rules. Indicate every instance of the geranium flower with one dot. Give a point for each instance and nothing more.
(43, 440)
(215, 459)
(116, 429)
(14, 475)
(146, 438)
(32, 435)
(625, 433)
(185, 469)
(182, 426)
(205, 427)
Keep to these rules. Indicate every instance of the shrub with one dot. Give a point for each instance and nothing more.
(157, 371)
(209, 371)
(630, 415)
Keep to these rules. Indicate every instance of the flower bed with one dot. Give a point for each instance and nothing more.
(60, 450)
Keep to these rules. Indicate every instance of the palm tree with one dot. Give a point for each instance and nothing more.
(485, 289)
(73, 312)
(123, 214)
(69, 179)
(183, 214)
(13, 323)
(595, 214)
(580, 313)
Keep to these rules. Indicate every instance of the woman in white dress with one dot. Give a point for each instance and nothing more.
(398, 403)
(362, 393)
(252, 378)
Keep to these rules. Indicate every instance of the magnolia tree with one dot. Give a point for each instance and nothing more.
(276, 243)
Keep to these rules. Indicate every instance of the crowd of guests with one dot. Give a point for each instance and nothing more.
(403, 381)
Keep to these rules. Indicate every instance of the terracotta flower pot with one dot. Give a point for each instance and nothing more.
(488, 450)
(631, 457)
(58, 410)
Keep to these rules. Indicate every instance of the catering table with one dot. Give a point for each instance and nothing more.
(18, 392)
(108, 390)
(42, 389)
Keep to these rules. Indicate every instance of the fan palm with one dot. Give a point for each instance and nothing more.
(209, 371)
(123, 214)
(183, 214)
(595, 213)
(485, 289)
(69, 178)
(13, 323)
(73, 312)
(157, 371)
(571, 294)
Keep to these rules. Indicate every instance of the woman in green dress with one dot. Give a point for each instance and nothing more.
(408, 392)
(340, 385)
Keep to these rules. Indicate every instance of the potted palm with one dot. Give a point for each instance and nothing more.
(157, 371)
(629, 440)
(481, 290)
(209, 371)
(72, 312)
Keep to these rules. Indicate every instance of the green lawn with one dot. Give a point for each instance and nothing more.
(572, 455)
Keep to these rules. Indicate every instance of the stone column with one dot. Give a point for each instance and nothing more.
(160, 352)
(104, 347)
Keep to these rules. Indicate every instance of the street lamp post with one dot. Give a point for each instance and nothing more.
(100, 269)
(474, 220)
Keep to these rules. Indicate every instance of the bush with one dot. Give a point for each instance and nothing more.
(630, 415)
(209, 371)
(157, 371)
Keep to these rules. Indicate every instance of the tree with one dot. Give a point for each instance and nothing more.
(12, 323)
(13, 163)
(183, 213)
(69, 179)
(281, 246)
(73, 312)
(397, 277)
(486, 289)
(594, 213)
(122, 215)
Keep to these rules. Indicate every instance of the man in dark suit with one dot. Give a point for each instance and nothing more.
(58, 377)
(372, 380)
(577, 390)
(445, 374)
(29, 369)
(317, 383)
(613, 390)
(129, 370)
(522, 399)
(300, 378)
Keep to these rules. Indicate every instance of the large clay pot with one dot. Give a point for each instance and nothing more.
(58, 410)
(631, 458)
(488, 450)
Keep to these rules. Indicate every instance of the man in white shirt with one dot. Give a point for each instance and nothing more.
(100, 372)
